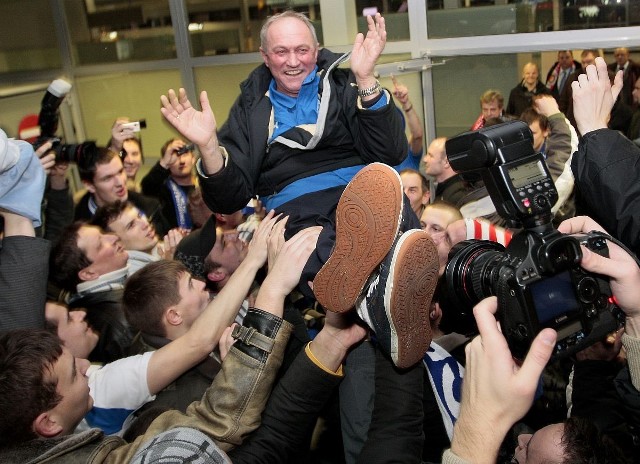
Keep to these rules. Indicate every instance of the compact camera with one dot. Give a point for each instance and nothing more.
(136, 125)
(537, 279)
(185, 149)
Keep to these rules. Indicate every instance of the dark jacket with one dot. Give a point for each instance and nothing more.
(346, 136)
(149, 206)
(553, 86)
(452, 190)
(105, 315)
(629, 78)
(154, 184)
(24, 268)
(520, 98)
(606, 168)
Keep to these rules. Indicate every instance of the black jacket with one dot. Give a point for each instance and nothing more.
(106, 316)
(520, 98)
(344, 136)
(606, 168)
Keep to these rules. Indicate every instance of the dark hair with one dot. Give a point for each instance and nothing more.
(584, 444)
(149, 292)
(26, 391)
(67, 259)
(530, 115)
(423, 179)
(106, 214)
(87, 164)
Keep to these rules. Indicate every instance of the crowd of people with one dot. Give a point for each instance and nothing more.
(158, 319)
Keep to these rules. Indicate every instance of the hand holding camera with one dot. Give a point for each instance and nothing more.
(620, 266)
(537, 278)
(173, 151)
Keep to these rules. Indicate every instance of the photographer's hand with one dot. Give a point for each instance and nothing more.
(119, 133)
(47, 157)
(170, 157)
(198, 126)
(620, 267)
(594, 96)
(496, 391)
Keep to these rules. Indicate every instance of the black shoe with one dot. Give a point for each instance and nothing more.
(398, 299)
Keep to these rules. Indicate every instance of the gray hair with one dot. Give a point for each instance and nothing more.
(286, 14)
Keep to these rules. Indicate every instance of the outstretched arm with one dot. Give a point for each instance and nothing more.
(401, 92)
(198, 126)
(183, 353)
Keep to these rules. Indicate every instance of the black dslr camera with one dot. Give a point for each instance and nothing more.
(537, 278)
(48, 122)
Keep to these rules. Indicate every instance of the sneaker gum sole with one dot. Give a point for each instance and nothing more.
(409, 299)
(367, 222)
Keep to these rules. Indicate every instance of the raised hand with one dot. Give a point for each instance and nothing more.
(594, 96)
(198, 126)
(400, 91)
(259, 245)
(367, 49)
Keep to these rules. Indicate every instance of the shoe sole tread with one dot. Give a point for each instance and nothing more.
(367, 222)
(410, 298)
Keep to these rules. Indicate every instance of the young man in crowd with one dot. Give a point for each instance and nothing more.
(92, 266)
(171, 180)
(102, 173)
(137, 235)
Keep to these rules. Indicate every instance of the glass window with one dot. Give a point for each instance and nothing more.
(220, 28)
(465, 18)
(29, 40)
(104, 31)
(135, 95)
(459, 83)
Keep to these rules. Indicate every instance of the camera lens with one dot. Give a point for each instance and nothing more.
(470, 271)
(588, 290)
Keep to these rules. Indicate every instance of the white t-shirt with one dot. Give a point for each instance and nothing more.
(118, 389)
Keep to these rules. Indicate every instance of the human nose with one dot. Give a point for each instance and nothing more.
(292, 58)
(78, 316)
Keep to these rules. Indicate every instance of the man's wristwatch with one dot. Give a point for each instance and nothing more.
(370, 90)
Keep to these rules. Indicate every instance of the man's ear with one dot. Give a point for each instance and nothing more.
(425, 198)
(264, 56)
(172, 316)
(88, 273)
(89, 186)
(46, 426)
(216, 275)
